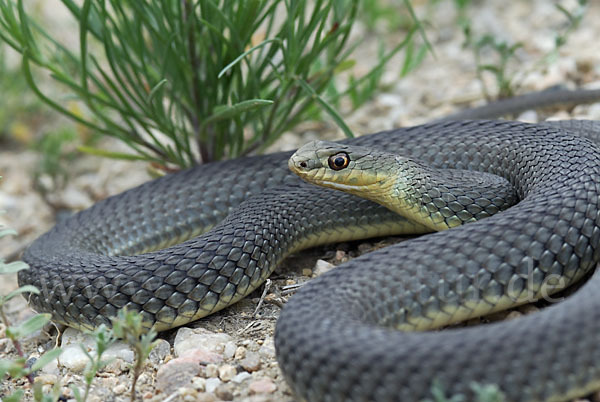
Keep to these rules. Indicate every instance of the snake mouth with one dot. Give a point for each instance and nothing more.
(341, 186)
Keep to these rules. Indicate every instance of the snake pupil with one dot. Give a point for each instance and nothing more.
(339, 161)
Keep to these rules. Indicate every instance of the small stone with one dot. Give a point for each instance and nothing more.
(160, 351)
(307, 272)
(321, 267)
(241, 377)
(188, 339)
(76, 360)
(188, 393)
(116, 366)
(512, 315)
(227, 372)
(148, 395)
(144, 378)
(51, 367)
(47, 379)
(202, 356)
(109, 382)
(224, 392)
(240, 353)
(67, 392)
(121, 351)
(212, 370)
(205, 397)
(340, 256)
(175, 374)
(120, 389)
(212, 384)
(528, 116)
(364, 247)
(267, 350)
(251, 362)
(229, 350)
(528, 309)
(199, 383)
(262, 386)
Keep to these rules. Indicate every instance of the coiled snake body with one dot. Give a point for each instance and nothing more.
(330, 341)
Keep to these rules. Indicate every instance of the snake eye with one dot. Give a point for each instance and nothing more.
(339, 161)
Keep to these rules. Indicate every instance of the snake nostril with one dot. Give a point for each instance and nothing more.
(303, 164)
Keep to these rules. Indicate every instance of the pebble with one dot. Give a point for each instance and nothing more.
(159, 352)
(224, 392)
(307, 272)
(262, 386)
(199, 383)
(76, 360)
(240, 353)
(212, 370)
(205, 397)
(227, 372)
(51, 367)
(341, 256)
(241, 377)
(120, 389)
(251, 362)
(202, 356)
(116, 366)
(229, 350)
(212, 384)
(188, 339)
(47, 379)
(176, 374)
(528, 116)
(512, 315)
(187, 393)
(321, 267)
(267, 350)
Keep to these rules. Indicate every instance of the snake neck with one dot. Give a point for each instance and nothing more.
(445, 198)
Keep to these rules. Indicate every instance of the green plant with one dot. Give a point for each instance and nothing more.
(18, 368)
(187, 81)
(496, 55)
(483, 393)
(384, 12)
(128, 326)
(19, 110)
(57, 148)
(104, 338)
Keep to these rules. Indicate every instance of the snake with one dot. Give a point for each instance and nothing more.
(183, 246)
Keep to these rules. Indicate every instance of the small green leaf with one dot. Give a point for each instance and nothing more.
(110, 154)
(344, 65)
(226, 112)
(4, 367)
(29, 326)
(46, 358)
(16, 397)
(247, 52)
(13, 267)
(76, 392)
(7, 232)
(22, 289)
(155, 90)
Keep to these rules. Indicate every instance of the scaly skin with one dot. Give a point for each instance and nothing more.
(330, 339)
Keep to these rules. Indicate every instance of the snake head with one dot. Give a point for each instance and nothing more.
(349, 168)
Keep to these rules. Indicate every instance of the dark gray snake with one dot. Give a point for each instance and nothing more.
(330, 339)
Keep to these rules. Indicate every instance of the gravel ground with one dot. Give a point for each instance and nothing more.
(236, 360)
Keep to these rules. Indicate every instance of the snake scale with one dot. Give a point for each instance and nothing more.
(332, 339)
